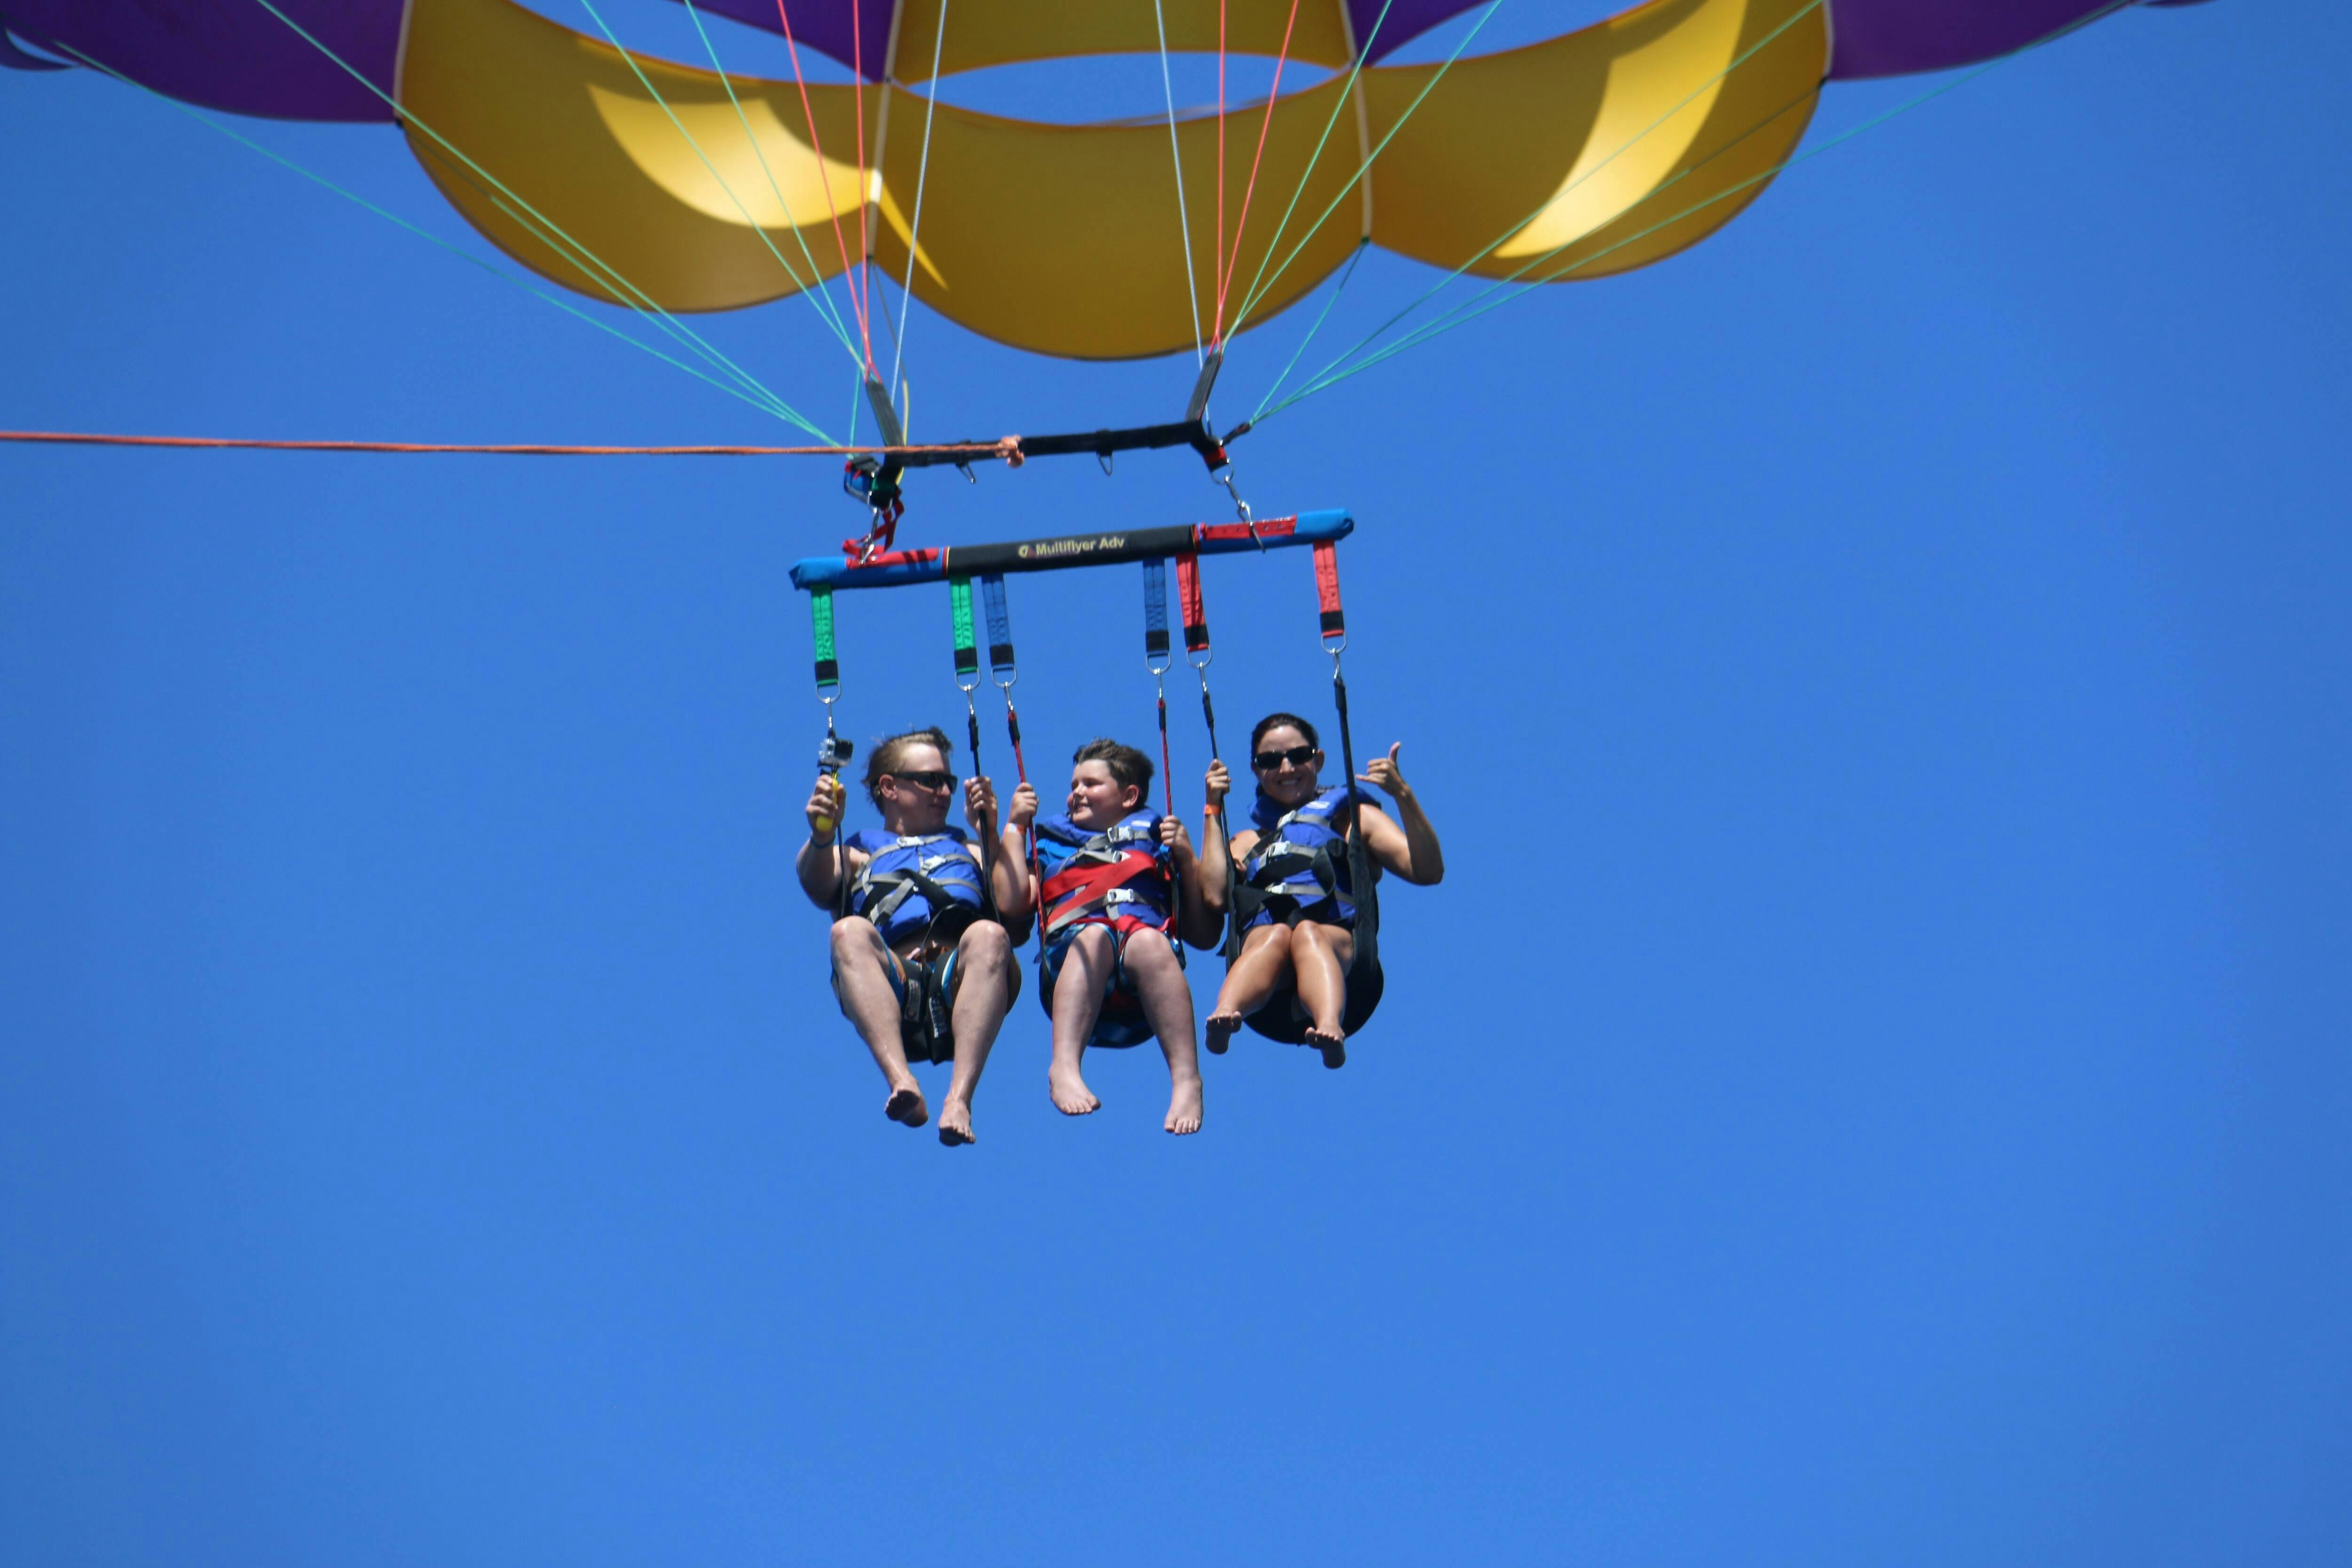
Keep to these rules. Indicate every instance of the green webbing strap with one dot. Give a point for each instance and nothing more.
(828, 668)
(967, 647)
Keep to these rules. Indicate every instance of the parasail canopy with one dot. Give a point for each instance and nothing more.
(648, 181)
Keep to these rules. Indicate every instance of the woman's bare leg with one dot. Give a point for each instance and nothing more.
(1319, 955)
(1078, 1003)
(984, 962)
(1265, 959)
(863, 962)
(1159, 982)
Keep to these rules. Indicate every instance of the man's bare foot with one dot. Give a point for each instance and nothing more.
(1332, 1044)
(955, 1124)
(1184, 1108)
(1220, 1029)
(907, 1105)
(1071, 1095)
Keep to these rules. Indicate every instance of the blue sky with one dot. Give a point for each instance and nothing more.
(1870, 1089)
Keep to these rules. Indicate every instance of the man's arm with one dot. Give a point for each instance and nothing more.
(1016, 898)
(820, 865)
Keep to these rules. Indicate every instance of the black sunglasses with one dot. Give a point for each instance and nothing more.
(927, 779)
(1298, 757)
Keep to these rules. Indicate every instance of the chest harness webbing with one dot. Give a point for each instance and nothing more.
(1116, 877)
(1301, 856)
(938, 867)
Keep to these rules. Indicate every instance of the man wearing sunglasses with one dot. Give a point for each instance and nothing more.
(1293, 894)
(922, 961)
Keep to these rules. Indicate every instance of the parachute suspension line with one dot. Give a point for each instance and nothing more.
(1504, 237)
(819, 295)
(833, 210)
(1217, 254)
(915, 228)
(1347, 96)
(1183, 222)
(625, 292)
(1258, 291)
(646, 82)
(1472, 308)
(1264, 124)
(865, 286)
(1157, 659)
(834, 752)
(1198, 654)
(768, 405)
(967, 679)
(1478, 304)
(542, 227)
(1324, 314)
(1335, 642)
(1005, 672)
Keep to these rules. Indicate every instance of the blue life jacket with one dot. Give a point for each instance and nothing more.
(907, 882)
(1116, 877)
(1301, 856)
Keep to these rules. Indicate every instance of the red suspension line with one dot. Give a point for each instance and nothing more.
(1217, 256)
(1234, 263)
(816, 144)
(865, 227)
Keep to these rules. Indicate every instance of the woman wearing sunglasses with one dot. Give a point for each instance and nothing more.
(921, 958)
(1293, 898)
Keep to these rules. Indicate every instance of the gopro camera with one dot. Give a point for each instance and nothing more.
(833, 753)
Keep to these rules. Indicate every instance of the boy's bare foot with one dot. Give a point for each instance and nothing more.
(1071, 1095)
(1220, 1027)
(907, 1105)
(1333, 1044)
(955, 1124)
(1184, 1108)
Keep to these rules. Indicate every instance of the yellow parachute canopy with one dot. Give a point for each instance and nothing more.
(1064, 239)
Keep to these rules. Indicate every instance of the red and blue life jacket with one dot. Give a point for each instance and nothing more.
(1116, 877)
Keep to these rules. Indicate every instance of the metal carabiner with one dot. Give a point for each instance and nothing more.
(1241, 508)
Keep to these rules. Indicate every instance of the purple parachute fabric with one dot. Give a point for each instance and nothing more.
(234, 54)
(230, 55)
(17, 59)
(1891, 37)
(825, 25)
(1872, 37)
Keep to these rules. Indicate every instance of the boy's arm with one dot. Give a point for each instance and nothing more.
(1196, 923)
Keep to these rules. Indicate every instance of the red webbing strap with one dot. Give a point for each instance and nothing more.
(1187, 595)
(1327, 589)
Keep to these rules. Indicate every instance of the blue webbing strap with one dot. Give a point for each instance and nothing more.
(1155, 614)
(1000, 629)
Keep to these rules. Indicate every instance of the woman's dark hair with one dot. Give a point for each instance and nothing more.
(887, 755)
(1275, 721)
(1130, 769)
